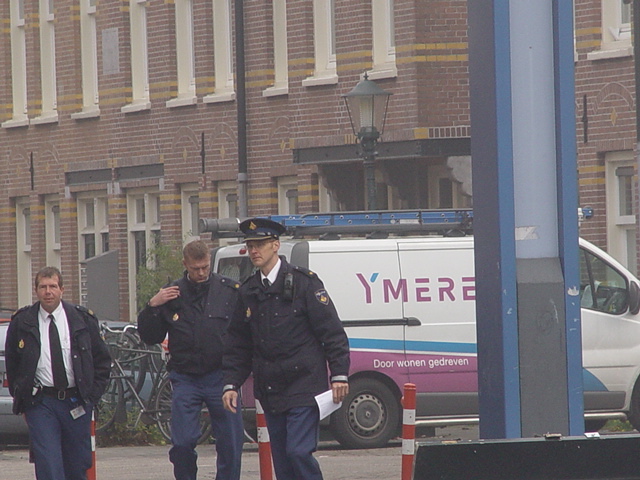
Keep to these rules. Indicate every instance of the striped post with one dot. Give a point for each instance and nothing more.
(91, 473)
(264, 444)
(408, 430)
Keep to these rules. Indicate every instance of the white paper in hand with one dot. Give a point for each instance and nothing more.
(325, 404)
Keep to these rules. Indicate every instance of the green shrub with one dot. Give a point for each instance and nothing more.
(123, 434)
(163, 264)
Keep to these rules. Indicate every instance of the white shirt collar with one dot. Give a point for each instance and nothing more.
(273, 274)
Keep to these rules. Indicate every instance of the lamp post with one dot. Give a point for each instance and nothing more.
(367, 106)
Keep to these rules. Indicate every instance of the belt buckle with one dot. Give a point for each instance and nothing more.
(62, 394)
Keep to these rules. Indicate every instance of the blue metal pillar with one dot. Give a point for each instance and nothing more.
(525, 217)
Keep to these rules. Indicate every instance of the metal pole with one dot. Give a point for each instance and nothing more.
(369, 142)
(242, 111)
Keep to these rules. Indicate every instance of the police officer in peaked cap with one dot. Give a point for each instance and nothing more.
(286, 331)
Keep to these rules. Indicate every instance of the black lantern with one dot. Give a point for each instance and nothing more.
(367, 106)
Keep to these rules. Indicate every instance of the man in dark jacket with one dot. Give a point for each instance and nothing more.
(58, 368)
(286, 330)
(195, 312)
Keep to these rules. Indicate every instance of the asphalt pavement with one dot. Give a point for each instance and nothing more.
(151, 462)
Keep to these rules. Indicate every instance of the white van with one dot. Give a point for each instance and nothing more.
(408, 306)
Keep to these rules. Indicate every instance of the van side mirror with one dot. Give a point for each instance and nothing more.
(634, 298)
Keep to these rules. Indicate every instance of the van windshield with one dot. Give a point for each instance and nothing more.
(236, 268)
(609, 285)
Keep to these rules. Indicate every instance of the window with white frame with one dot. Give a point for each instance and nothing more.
(190, 213)
(89, 61)
(227, 200)
(280, 51)
(49, 111)
(324, 40)
(93, 225)
(23, 253)
(143, 219)
(288, 195)
(384, 44)
(616, 30)
(620, 179)
(139, 57)
(444, 192)
(19, 116)
(185, 61)
(326, 198)
(52, 231)
(222, 53)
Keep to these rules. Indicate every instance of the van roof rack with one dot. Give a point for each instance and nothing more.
(373, 224)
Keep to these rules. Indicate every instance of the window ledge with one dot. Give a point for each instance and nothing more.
(138, 106)
(605, 54)
(382, 71)
(316, 80)
(50, 117)
(220, 97)
(16, 122)
(276, 91)
(182, 101)
(92, 112)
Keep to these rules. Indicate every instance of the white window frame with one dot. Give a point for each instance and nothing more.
(190, 200)
(324, 40)
(99, 204)
(616, 32)
(18, 66)
(287, 189)
(89, 60)
(52, 230)
(619, 227)
(49, 112)
(226, 189)
(23, 251)
(137, 221)
(185, 61)
(222, 54)
(435, 174)
(326, 201)
(280, 51)
(139, 58)
(384, 45)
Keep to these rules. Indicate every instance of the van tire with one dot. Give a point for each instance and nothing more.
(634, 413)
(369, 417)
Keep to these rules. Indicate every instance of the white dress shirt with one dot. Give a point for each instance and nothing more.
(44, 372)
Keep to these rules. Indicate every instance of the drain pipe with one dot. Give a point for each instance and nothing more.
(243, 210)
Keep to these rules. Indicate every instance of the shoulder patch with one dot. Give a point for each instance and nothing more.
(322, 296)
(85, 310)
(230, 283)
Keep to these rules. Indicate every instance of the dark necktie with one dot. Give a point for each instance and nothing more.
(60, 381)
(266, 282)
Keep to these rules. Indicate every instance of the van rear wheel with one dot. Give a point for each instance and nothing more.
(369, 417)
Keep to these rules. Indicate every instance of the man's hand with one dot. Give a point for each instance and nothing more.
(164, 295)
(230, 400)
(340, 390)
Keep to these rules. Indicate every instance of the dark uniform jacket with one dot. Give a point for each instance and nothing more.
(286, 337)
(196, 323)
(90, 355)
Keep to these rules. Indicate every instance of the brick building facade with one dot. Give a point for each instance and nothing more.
(119, 120)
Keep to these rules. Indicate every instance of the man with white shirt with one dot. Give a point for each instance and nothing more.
(58, 368)
(287, 331)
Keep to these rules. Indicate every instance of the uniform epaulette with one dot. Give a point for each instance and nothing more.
(86, 310)
(22, 309)
(229, 282)
(306, 271)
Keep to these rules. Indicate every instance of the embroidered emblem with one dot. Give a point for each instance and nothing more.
(252, 226)
(248, 312)
(322, 297)
(21, 344)
(175, 317)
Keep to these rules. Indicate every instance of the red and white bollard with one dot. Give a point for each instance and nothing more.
(264, 444)
(91, 473)
(408, 430)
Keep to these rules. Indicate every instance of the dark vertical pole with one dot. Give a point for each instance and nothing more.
(242, 110)
(31, 171)
(202, 151)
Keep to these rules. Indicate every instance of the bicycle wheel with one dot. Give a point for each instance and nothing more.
(133, 356)
(107, 409)
(163, 408)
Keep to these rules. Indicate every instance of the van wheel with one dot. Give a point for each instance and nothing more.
(634, 413)
(369, 417)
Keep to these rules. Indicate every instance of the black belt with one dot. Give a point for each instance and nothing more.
(60, 394)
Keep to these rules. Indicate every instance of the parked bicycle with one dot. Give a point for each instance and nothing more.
(139, 389)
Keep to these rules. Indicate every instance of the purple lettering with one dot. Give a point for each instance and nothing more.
(422, 292)
(446, 289)
(395, 293)
(469, 291)
(367, 287)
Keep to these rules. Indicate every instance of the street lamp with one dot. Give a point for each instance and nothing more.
(367, 106)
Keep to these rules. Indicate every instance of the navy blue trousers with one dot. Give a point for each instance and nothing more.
(189, 394)
(61, 446)
(294, 437)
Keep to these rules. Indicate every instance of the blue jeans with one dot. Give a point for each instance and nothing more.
(294, 438)
(190, 392)
(61, 446)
